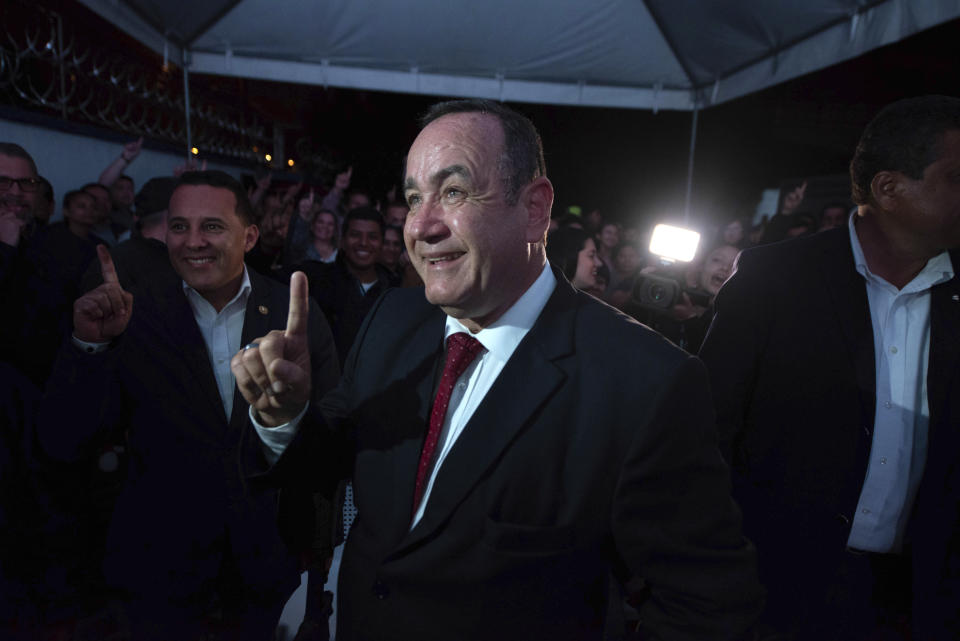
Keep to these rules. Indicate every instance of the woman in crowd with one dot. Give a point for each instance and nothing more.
(607, 240)
(323, 231)
(734, 233)
(574, 253)
(392, 248)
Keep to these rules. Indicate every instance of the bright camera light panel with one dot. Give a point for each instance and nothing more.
(674, 243)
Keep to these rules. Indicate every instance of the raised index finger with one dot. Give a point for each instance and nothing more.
(106, 265)
(299, 304)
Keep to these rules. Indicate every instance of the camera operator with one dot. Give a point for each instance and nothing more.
(685, 319)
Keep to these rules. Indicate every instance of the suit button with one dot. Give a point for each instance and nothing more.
(380, 590)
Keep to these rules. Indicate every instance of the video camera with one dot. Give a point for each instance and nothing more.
(659, 292)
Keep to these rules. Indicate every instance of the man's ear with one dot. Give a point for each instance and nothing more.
(885, 188)
(250, 236)
(538, 200)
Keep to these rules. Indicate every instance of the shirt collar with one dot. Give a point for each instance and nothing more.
(198, 302)
(938, 269)
(503, 335)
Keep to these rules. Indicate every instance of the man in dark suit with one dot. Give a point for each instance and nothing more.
(193, 535)
(576, 446)
(835, 364)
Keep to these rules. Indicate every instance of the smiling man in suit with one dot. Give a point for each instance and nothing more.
(835, 363)
(518, 444)
(194, 541)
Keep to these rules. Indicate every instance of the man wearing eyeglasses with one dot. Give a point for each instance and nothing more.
(18, 192)
(25, 294)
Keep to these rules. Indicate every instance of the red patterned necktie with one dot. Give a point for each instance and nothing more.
(462, 348)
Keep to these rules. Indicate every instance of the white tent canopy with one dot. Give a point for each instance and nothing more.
(645, 54)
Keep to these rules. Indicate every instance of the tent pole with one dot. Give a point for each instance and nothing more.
(693, 147)
(186, 105)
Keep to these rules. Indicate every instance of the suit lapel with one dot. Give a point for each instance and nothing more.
(848, 294)
(428, 339)
(256, 323)
(176, 318)
(504, 412)
(944, 342)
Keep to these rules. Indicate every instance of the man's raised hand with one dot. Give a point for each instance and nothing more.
(102, 314)
(273, 372)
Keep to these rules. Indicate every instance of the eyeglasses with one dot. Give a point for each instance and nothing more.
(26, 184)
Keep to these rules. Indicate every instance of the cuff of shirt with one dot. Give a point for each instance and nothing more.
(276, 439)
(88, 347)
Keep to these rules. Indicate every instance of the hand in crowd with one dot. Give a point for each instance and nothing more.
(11, 225)
(292, 192)
(793, 199)
(342, 182)
(102, 314)
(273, 372)
(263, 182)
(685, 309)
(132, 149)
(306, 205)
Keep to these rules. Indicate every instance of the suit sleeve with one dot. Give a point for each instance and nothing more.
(81, 402)
(732, 348)
(677, 527)
(323, 448)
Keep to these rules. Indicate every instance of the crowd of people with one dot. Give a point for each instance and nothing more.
(204, 384)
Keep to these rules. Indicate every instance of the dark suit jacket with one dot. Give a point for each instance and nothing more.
(791, 361)
(188, 498)
(594, 450)
(342, 300)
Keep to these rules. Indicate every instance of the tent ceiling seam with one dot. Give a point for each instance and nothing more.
(670, 43)
(161, 30)
(775, 51)
(212, 22)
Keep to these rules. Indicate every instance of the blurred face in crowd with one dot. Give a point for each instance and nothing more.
(82, 211)
(396, 215)
(207, 240)
(324, 226)
(609, 236)
(361, 244)
(632, 235)
(357, 199)
(587, 265)
(628, 259)
(101, 200)
(717, 268)
(594, 218)
(733, 232)
(475, 250)
(392, 247)
(16, 200)
(273, 229)
(833, 217)
(122, 193)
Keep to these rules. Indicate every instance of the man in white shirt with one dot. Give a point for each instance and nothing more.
(834, 362)
(504, 482)
(194, 541)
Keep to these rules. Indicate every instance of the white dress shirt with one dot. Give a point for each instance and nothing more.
(499, 341)
(222, 332)
(901, 335)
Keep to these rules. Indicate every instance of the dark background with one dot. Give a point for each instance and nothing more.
(630, 164)
(633, 164)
